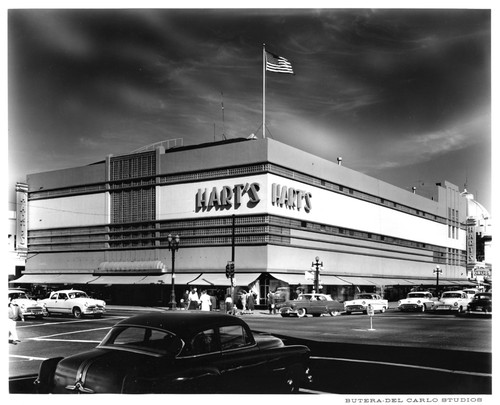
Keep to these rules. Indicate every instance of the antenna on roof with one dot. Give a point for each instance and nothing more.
(222, 108)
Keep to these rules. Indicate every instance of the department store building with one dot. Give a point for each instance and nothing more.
(268, 207)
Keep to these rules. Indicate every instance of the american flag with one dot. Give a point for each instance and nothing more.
(278, 64)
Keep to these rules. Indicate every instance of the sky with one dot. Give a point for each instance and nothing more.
(403, 95)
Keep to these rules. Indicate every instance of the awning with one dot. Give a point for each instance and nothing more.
(36, 279)
(74, 278)
(180, 279)
(356, 280)
(220, 279)
(389, 281)
(293, 279)
(327, 279)
(117, 280)
(151, 266)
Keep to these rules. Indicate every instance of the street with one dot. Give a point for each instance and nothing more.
(450, 354)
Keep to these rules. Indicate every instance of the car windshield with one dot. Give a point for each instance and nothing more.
(364, 297)
(77, 294)
(482, 297)
(304, 297)
(417, 295)
(143, 339)
(18, 294)
(452, 295)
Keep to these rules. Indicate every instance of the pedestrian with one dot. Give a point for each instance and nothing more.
(205, 301)
(13, 314)
(271, 302)
(185, 300)
(251, 302)
(213, 301)
(243, 300)
(229, 304)
(193, 299)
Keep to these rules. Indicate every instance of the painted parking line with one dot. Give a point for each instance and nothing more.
(66, 340)
(21, 325)
(385, 363)
(29, 358)
(48, 337)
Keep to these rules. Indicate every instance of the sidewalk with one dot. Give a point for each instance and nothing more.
(257, 312)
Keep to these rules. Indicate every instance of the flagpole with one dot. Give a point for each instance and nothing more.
(263, 90)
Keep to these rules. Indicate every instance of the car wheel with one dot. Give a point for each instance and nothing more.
(461, 310)
(301, 312)
(77, 312)
(383, 310)
(334, 313)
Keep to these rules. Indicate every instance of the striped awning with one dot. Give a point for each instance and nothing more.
(153, 266)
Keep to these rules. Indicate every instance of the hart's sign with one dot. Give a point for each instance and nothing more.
(227, 196)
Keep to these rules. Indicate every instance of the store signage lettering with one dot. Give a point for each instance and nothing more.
(291, 198)
(471, 244)
(227, 196)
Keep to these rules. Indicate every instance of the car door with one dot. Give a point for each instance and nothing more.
(242, 364)
(317, 305)
(61, 304)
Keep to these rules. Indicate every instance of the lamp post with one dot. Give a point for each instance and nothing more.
(173, 245)
(316, 267)
(437, 271)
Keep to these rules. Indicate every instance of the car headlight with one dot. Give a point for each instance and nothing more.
(86, 304)
(455, 304)
(363, 303)
(419, 302)
(22, 306)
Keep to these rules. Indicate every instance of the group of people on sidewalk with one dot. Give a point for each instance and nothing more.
(191, 300)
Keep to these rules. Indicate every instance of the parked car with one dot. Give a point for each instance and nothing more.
(74, 302)
(481, 302)
(361, 301)
(313, 304)
(27, 306)
(180, 352)
(470, 292)
(417, 301)
(452, 301)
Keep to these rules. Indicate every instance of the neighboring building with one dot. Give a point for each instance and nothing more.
(268, 206)
(479, 239)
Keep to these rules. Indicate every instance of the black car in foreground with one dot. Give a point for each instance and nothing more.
(180, 352)
(481, 302)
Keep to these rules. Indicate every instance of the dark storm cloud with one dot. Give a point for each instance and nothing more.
(387, 89)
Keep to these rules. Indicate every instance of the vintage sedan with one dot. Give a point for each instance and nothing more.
(180, 352)
(74, 302)
(361, 301)
(452, 301)
(313, 304)
(27, 306)
(482, 302)
(420, 301)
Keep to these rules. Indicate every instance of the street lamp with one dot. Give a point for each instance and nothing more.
(316, 267)
(437, 271)
(173, 245)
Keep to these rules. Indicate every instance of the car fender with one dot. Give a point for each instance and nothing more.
(45, 381)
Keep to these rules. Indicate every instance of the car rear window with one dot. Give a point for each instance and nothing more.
(135, 338)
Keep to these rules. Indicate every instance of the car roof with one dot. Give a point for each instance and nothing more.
(66, 291)
(182, 323)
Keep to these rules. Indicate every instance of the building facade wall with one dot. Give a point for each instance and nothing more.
(288, 207)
